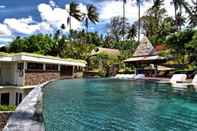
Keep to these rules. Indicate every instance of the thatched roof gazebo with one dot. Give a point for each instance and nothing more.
(145, 54)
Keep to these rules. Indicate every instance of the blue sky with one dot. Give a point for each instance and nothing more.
(27, 17)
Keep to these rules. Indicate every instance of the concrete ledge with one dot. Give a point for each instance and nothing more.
(28, 115)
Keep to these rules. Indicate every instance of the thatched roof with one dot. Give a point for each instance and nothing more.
(109, 51)
(159, 68)
(146, 59)
(145, 48)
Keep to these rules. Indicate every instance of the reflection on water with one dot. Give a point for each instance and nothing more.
(119, 105)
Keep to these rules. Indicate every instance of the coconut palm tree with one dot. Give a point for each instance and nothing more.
(193, 16)
(74, 12)
(156, 10)
(123, 29)
(139, 21)
(90, 16)
(178, 5)
(123, 16)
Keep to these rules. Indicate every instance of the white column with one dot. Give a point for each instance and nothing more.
(59, 67)
(44, 67)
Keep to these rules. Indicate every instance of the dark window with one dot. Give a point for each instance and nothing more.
(20, 66)
(5, 98)
(78, 69)
(51, 67)
(66, 71)
(34, 66)
(18, 98)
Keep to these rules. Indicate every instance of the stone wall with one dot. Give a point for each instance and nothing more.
(35, 78)
(28, 115)
(4, 115)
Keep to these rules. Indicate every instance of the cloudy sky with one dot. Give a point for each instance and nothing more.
(26, 17)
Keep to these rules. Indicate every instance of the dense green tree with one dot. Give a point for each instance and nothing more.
(116, 27)
(157, 22)
(180, 43)
(132, 32)
(191, 49)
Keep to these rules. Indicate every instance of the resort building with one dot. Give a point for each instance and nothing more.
(19, 73)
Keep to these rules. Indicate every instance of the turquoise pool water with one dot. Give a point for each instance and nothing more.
(118, 105)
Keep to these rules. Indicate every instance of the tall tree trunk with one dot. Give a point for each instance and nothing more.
(70, 19)
(87, 25)
(180, 18)
(175, 15)
(139, 22)
(123, 33)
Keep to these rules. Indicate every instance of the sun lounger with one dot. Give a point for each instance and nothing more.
(194, 81)
(186, 84)
(139, 76)
(124, 76)
(176, 78)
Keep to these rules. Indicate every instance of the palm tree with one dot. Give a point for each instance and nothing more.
(178, 4)
(193, 16)
(73, 12)
(123, 16)
(139, 3)
(91, 15)
(156, 10)
(123, 29)
(139, 21)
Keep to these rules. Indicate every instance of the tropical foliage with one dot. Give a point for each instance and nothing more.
(178, 35)
(7, 107)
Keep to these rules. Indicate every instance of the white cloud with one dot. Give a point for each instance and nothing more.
(2, 6)
(115, 8)
(83, 8)
(57, 16)
(45, 28)
(52, 3)
(21, 25)
(4, 31)
(52, 18)
(27, 20)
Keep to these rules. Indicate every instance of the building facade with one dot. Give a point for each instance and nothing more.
(19, 73)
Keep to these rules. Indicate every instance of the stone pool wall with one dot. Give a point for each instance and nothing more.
(35, 78)
(28, 115)
(4, 115)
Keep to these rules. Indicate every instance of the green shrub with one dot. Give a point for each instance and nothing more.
(7, 107)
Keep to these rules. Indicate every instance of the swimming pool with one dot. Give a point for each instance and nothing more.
(118, 105)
